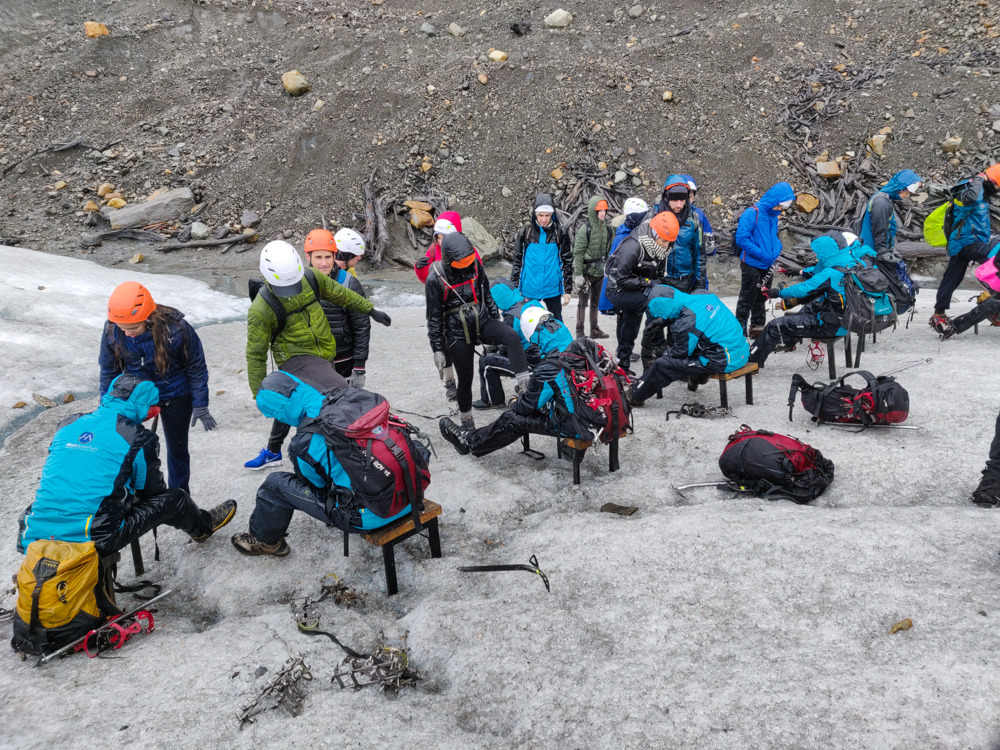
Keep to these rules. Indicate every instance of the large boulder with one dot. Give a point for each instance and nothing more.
(166, 206)
(481, 239)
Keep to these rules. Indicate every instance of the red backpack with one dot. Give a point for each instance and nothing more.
(600, 388)
(774, 466)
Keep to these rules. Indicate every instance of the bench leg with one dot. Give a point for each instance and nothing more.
(975, 329)
(659, 393)
(613, 456)
(749, 379)
(861, 348)
(140, 569)
(433, 537)
(526, 442)
(723, 392)
(847, 352)
(558, 447)
(873, 338)
(831, 356)
(389, 557)
(577, 460)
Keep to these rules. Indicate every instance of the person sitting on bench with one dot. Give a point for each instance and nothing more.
(545, 405)
(291, 400)
(707, 339)
(823, 294)
(102, 482)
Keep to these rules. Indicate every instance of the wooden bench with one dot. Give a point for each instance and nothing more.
(389, 536)
(748, 371)
(575, 449)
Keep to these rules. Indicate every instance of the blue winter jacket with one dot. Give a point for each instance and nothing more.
(291, 401)
(186, 370)
(878, 223)
(970, 215)
(550, 336)
(687, 259)
(757, 230)
(702, 327)
(98, 465)
(511, 304)
(857, 251)
(542, 265)
(824, 290)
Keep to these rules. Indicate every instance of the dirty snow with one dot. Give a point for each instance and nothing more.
(708, 622)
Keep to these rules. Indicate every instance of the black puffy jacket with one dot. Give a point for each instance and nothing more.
(634, 264)
(458, 299)
(351, 330)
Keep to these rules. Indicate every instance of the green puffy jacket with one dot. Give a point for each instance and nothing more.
(590, 248)
(307, 330)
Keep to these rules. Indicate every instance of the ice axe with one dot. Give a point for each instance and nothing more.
(531, 567)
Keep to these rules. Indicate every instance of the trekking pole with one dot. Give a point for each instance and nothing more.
(927, 361)
(531, 567)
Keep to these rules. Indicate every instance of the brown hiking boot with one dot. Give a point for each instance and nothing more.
(597, 333)
(250, 545)
(756, 331)
(221, 515)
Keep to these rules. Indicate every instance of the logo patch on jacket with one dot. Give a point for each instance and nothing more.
(86, 437)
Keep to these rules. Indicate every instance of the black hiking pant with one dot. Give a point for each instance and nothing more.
(977, 314)
(492, 331)
(508, 428)
(589, 297)
(993, 464)
(630, 305)
(958, 264)
(665, 370)
(554, 306)
(750, 305)
(175, 415)
(320, 373)
(790, 330)
(281, 494)
(493, 367)
(173, 508)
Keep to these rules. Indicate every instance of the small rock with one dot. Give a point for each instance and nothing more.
(295, 83)
(444, 153)
(174, 152)
(428, 29)
(480, 238)
(806, 203)
(59, 185)
(459, 160)
(418, 206)
(200, 231)
(69, 398)
(520, 29)
(919, 139)
(318, 105)
(620, 176)
(506, 192)
(366, 71)
(455, 30)
(91, 206)
(716, 201)
(668, 96)
(93, 29)
(288, 234)
(799, 46)
(497, 56)
(877, 143)
(961, 69)
(635, 11)
(557, 174)
(105, 189)
(910, 114)
(483, 79)
(951, 144)
(828, 169)
(420, 218)
(137, 258)
(249, 218)
(19, 405)
(117, 203)
(558, 19)
(90, 73)
(219, 393)
(426, 166)
(45, 401)
(996, 126)
(163, 130)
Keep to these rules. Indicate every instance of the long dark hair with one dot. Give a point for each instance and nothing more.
(158, 324)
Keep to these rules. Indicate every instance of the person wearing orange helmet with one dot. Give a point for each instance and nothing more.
(637, 265)
(155, 343)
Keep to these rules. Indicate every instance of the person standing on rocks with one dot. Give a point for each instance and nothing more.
(635, 267)
(288, 320)
(154, 342)
(758, 245)
(877, 228)
(685, 269)
(590, 253)
(543, 259)
(461, 313)
(968, 235)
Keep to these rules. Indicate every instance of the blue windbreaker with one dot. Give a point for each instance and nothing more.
(702, 327)
(98, 464)
(757, 230)
(879, 217)
(970, 215)
(824, 290)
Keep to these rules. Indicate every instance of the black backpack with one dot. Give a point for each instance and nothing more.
(773, 466)
(869, 306)
(881, 401)
(902, 288)
(257, 286)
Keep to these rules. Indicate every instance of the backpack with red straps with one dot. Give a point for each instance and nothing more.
(774, 466)
(387, 467)
(600, 388)
(881, 401)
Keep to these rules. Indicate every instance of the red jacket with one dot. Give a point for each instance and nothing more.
(433, 253)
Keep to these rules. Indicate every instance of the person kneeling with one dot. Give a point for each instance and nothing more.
(102, 482)
(707, 339)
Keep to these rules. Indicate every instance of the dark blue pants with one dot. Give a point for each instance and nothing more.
(958, 264)
(492, 367)
(977, 314)
(175, 416)
(790, 329)
(554, 306)
(630, 306)
(173, 508)
(508, 428)
(664, 371)
(281, 494)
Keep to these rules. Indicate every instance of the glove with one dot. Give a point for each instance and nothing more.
(439, 363)
(423, 262)
(358, 377)
(578, 283)
(380, 317)
(710, 247)
(770, 293)
(201, 412)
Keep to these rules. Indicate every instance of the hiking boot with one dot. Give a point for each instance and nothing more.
(756, 331)
(597, 333)
(264, 458)
(940, 322)
(248, 544)
(987, 494)
(579, 333)
(631, 398)
(480, 404)
(451, 390)
(221, 515)
(946, 329)
(455, 435)
(695, 380)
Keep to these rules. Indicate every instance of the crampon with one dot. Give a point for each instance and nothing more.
(815, 355)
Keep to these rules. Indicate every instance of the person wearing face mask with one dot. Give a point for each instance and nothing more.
(877, 228)
(758, 245)
(543, 258)
(155, 343)
(968, 235)
(637, 265)
(685, 269)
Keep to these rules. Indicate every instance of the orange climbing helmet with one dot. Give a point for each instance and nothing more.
(665, 225)
(320, 239)
(130, 302)
(993, 173)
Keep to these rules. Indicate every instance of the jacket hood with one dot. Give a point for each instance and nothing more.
(592, 209)
(634, 220)
(551, 335)
(286, 398)
(505, 294)
(775, 195)
(453, 217)
(456, 246)
(828, 252)
(898, 182)
(669, 302)
(544, 199)
(676, 180)
(131, 397)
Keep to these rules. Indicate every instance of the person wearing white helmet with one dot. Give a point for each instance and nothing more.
(287, 320)
(543, 259)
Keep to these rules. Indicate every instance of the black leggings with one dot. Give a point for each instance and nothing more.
(463, 357)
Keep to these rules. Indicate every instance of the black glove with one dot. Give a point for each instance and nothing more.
(770, 293)
(380, 317)
(423, 262)
(201, 412)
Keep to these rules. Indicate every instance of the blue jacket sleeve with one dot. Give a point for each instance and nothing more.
(106, 359)
(744, 233)
(197, 370)
(706, 225)
(813, 286)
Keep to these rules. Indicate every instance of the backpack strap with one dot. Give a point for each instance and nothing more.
(279, 311)
(45, 570)
(415, 494)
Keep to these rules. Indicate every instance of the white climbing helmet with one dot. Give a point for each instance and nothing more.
(282, 268)
(850, 238)
(635, 206)
(443, 226)
(349, 241)
(531, 318)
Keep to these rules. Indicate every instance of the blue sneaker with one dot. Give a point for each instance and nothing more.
(264, 459)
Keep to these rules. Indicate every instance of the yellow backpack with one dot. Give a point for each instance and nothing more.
(934, 226)
(61, 596)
